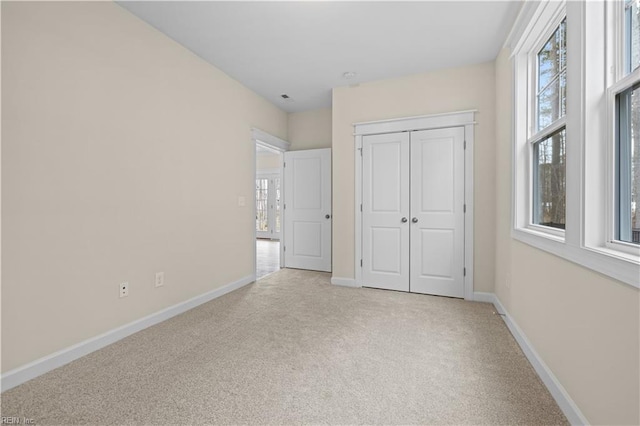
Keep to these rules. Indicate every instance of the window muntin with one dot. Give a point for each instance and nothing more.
(628, 165)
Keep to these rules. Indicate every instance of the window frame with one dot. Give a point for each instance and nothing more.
(526, 130)
(622, 84)
(593, 36)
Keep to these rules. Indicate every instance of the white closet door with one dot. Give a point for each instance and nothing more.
(307, 186)
(437, 216)
(385, 211)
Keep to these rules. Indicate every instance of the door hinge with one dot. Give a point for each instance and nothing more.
(360, 149)
(284, 207)
(464, 145)
(464, 208)
(360, 206)
(464, 272)
(284, 164)
(284, 248)
(361, 263)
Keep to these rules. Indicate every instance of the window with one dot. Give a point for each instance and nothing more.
(628, 165)
(576, 133)
(549, 154)
(625, 96)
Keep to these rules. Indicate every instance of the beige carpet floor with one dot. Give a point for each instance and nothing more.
(293, 349)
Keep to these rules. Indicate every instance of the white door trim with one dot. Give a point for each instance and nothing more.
(266, 140)
(453, 119)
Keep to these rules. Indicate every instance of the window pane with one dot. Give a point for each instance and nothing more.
(277, 188)
(549, 187)
(551, 77)
(632, 34)
(262, 208)
(552, 101)
(629, 165)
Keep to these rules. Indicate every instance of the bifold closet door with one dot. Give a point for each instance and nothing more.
(385, 211)
(437, 212)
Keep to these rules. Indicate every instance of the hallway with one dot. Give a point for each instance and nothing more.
(267, 257)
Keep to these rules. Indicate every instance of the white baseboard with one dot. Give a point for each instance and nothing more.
(566, 404)
(344, 282)
(57, 359)
(479, 296)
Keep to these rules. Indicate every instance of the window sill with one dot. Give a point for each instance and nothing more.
(621, 266)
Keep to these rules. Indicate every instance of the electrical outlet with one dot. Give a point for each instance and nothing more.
(124, 290)
(159, 279)
(242, 201)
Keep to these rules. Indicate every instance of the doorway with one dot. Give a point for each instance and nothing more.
(268, 199)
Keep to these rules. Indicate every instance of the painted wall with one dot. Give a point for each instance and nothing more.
(585, 326)
(310, 129)
(267, 162)
(458, 89)
(112, 138)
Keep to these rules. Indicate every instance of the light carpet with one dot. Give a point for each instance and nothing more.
(292, 349)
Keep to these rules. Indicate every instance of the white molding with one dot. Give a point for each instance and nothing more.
(523, 21)
(559, 393)
(357, 209)
(57, 359)
(261, 136)
(345, 282)
(422, 122)
(425, 122)
(479, 296)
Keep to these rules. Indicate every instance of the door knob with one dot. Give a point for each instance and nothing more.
(414, 220)
(327, 216)
(404, 220)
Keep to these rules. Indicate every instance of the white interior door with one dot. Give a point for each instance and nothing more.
(307, 209)
(385, 211)
(437, 212)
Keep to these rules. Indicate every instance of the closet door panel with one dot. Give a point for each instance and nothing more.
(437, 216)
(385, 236)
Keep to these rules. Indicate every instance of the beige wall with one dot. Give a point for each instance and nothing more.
(267, 162)
(585, 326)
(112, 136)
(458, 89)
(310, 129)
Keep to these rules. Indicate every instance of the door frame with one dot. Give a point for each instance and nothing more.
(464, 119)
(277, 145)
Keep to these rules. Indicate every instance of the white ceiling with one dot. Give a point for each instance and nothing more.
(303, 48)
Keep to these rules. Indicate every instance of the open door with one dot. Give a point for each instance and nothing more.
(307, 209)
